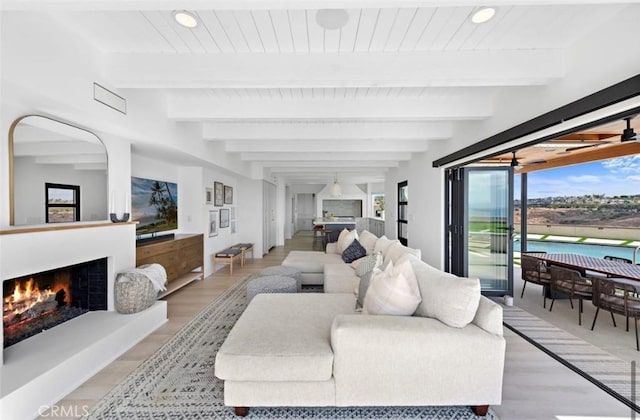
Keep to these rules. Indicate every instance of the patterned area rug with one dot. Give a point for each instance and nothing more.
(605, 370)
(178, 381)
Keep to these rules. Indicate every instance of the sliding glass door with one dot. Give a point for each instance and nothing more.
(480, 226)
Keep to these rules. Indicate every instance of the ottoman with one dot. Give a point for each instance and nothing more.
(271, 284)
(281, 270)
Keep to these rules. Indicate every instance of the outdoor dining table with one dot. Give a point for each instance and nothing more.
(611, 268)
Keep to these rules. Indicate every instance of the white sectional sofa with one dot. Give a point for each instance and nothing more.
(328, 268)
(314, 349)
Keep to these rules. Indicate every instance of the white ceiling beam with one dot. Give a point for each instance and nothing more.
(317, 165)
(364, 178)
(314, 146)
(70, 160)
(106, 5)
(446, 108)
(320, 130)
(332, 170)
(415, 69)
(328, 156)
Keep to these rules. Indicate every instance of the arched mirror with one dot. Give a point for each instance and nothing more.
(58, 173)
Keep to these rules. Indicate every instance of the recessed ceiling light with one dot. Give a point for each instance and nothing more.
(186, 19)
(332, 18)
(483, 15)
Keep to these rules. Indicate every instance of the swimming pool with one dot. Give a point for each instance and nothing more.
(590, 250)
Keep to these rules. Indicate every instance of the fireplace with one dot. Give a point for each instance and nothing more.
(38, 302)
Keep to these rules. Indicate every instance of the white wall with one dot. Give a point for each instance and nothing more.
(250, 210)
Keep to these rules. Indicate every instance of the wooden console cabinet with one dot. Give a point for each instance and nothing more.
(182, 258)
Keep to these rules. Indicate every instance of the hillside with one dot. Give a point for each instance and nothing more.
(580, 216)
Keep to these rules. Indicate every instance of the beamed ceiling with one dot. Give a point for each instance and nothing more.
(264, 81)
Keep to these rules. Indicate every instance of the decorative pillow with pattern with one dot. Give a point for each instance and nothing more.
(353, 252)
(368, 263)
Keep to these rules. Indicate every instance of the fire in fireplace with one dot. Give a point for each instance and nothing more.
(32, 304)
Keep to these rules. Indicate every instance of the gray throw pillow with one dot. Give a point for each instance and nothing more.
(362, 289)
(365, 280)
(369, 263)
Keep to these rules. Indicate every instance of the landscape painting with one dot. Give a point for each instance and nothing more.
(154, 205)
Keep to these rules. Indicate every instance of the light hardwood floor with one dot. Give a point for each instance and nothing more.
(535, 386)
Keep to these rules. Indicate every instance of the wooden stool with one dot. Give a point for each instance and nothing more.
(327, 235)
(318, 234)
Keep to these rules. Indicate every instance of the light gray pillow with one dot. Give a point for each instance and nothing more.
(365, 281)
(368, 264)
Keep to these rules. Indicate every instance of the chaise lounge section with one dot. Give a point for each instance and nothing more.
(314, 349)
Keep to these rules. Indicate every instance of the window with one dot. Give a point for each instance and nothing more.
(403, 205)
(378, 206)
(62, 203)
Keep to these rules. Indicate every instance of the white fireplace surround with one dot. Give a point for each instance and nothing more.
(42, 369)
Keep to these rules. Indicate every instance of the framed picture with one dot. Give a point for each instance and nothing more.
(218, 194)
(228, 194)
(234, 226)
(224, 218)
(208, 196)
(232, 215)
(213, 223)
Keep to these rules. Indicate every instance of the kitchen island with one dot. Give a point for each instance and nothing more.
(335, 225)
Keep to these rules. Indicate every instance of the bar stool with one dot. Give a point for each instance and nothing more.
(318, 234)
(327, 235)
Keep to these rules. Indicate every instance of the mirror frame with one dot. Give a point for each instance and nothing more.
(12, 128)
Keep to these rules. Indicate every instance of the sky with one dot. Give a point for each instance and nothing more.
(620, 176)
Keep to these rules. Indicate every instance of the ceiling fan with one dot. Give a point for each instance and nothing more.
(628, 134)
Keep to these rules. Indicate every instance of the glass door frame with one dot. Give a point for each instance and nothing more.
(457, 225)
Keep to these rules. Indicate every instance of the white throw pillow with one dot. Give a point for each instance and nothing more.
(368, 241)
(345, 238)
(383, 243)
(450, 299)
(393, 291)
(397, 251)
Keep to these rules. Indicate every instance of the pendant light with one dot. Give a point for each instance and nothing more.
(336, 189)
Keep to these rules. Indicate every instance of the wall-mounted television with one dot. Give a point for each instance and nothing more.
(154, 205)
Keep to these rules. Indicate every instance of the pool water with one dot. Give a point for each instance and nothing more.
(590, 250)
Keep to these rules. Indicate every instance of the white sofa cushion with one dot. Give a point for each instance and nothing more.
(393, 291)
(283, 337)
(383, 243)
(310, 261)
(451, 299)
(368, 241)
(396, 251)
(339, 278)
(345, 238)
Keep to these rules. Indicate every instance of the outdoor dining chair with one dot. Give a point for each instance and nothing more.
(570, 282)
(616, 296)
(618, 259)
(536, 272)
